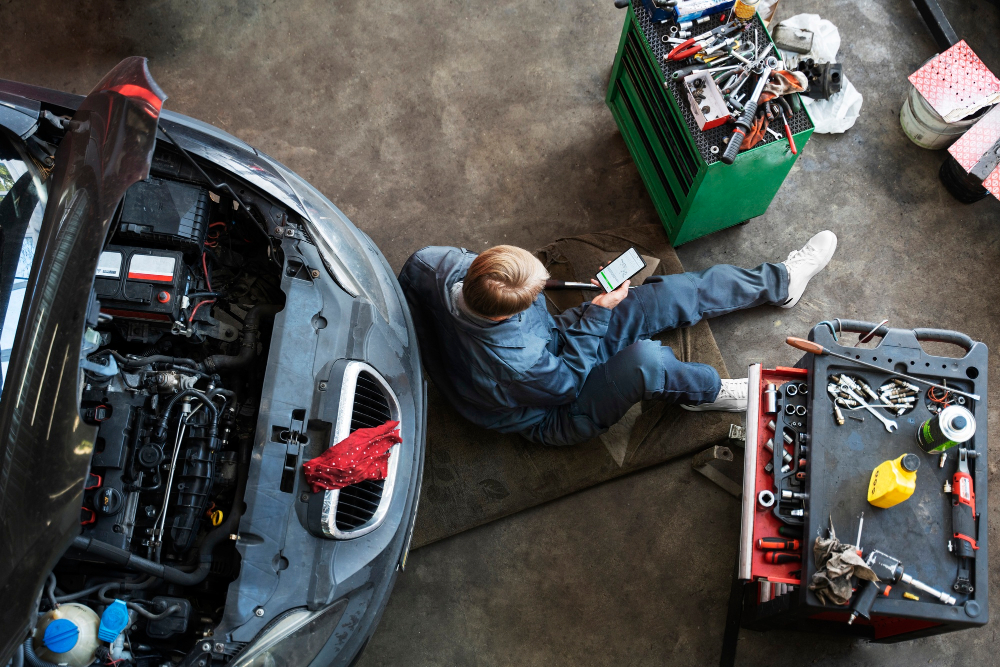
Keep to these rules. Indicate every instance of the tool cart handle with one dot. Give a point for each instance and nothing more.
(937, 335)
(945, 336)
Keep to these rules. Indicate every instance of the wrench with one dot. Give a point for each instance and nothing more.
(890, 425)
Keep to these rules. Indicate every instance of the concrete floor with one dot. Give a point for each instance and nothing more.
(472, 123)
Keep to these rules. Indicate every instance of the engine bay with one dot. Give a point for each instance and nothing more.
(172, 365)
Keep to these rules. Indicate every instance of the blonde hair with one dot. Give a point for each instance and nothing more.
(503, 281)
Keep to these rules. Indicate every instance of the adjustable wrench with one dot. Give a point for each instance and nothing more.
(890, 425)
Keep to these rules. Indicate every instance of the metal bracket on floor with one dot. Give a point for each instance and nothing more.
(702, 462)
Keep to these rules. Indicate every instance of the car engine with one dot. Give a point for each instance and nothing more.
(173, 364)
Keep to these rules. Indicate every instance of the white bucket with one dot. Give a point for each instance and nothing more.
(925, 127)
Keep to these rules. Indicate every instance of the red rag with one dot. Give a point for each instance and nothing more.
(362, 455)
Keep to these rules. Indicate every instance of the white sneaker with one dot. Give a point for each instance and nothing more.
(803, 264)
(732, 398)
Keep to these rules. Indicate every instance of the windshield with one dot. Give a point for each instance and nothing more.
(21, 207)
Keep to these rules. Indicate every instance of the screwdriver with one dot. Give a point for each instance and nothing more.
(777, 544)
(819, 350)
(781, 557)
(790, 532)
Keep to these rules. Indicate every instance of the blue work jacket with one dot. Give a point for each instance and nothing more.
(503, 376)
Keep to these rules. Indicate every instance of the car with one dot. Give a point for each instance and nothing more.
(185, 323)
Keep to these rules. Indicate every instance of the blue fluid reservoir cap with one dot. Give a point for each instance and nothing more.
(959, 422)
(61, 635)
(113, 621)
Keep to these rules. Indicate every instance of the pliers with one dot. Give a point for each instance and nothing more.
(685, 50)
(691, 46)
(785, 110)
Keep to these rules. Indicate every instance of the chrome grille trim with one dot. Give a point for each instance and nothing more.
(358, 386)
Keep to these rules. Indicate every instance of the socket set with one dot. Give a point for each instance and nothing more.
(787, 405)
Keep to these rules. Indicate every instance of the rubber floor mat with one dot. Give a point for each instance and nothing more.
(473, 476)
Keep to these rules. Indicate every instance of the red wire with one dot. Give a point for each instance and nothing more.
(204, 268)
(200, 304)
(933, 396)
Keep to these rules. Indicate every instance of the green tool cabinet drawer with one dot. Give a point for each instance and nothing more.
(694, 193)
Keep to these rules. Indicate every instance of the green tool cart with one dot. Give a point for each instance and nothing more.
(694, 193)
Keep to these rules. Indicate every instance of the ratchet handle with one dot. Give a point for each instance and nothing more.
(729, 156)
(749, 111)
(742, 125)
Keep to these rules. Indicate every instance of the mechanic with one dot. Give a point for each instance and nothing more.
(491, 346)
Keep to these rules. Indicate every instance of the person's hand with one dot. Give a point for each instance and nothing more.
(611, 299)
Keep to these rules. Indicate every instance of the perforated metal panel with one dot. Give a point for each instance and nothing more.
(655, 33)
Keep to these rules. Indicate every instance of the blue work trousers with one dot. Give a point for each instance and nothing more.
(632, 367)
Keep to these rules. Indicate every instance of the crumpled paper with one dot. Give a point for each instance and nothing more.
(840, 112)
(836, 563)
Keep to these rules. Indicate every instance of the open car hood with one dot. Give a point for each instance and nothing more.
(45, 447)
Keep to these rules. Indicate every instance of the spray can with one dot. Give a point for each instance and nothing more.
(952, 426)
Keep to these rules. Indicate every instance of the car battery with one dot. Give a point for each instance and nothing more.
(809, 464)
(142, 284)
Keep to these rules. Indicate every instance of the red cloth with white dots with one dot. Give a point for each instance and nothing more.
(363, 455)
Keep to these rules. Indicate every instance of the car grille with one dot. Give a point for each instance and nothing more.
(358, 503)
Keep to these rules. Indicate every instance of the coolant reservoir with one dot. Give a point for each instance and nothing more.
(67, 635)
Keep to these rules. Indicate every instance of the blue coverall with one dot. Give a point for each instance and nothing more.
(561, 380)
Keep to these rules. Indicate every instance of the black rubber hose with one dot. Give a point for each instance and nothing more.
(134, 585)
(50, 590)
(152, 359)
(32, 659)
(124, 558)
(160, 435)
(251, 329)
(17, 660)
(102, 595)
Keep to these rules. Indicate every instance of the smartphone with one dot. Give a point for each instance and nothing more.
(621, 269)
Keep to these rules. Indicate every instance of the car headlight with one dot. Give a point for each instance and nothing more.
(295, 640)
(340, 245)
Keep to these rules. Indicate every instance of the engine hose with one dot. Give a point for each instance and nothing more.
(50, 590)
(125, 558)
(160, 434)
(142, 611)
(251, 330)
(133, 585)
(33, 660)
(152, 359)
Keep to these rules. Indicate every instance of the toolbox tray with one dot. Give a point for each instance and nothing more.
(917, 530)
(655, 33)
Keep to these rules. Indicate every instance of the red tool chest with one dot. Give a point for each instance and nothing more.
(833, 482)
